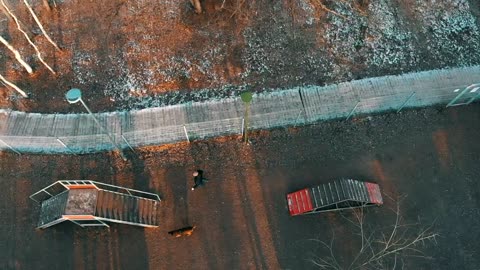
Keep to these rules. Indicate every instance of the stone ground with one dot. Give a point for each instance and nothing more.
(429, 157)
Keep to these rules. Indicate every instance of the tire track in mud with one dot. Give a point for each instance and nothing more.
(172, 182)
(160, 253)
(440, 141)
(260, 226)
(98, 248)
(228, 218)
(225, 226)
(22, 227)
(386, 183)
(92, 245)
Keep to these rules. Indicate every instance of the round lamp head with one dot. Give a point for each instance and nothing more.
(246, 96)
(73, 95)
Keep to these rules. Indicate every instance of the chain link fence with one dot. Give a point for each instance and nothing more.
(78, 133)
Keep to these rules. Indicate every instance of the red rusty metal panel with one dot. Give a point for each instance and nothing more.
(299, 202)
(374, 193)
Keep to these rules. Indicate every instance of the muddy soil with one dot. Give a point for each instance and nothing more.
(430, 157)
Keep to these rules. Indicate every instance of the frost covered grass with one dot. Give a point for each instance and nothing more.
(451, 31)
(390, 43)
(314, 47)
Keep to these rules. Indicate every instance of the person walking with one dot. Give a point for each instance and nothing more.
(198, 179)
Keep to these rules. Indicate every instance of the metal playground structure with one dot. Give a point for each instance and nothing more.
(334, 196)
(89, 203)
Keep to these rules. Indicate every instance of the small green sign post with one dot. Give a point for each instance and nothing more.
(246, 98)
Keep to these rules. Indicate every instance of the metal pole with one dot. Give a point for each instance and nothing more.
(246, 122)
(457, 97)
(451, 103)
(64, 145)
(186, 134)
(243, 123)
(406, 101)
(473, 98)
(353, 110)
(298, 116)
(125, 140)
(104, 130)
(11, 148)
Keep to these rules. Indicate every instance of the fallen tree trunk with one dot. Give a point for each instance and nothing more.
(39, 55)
(20, 91)
(40, 25)
(17, 55)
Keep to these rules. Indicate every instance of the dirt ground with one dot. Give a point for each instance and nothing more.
(430, 156)
(128, 54)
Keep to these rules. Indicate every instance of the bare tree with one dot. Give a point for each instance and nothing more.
(17, 55)
(40, 24)
(39, 55)
(380, 248)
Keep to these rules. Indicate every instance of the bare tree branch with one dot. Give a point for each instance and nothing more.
(329, 10)
(380, 248)
(361, 12)
(239, 7)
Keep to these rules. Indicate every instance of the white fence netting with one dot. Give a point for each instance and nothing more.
(78, 133)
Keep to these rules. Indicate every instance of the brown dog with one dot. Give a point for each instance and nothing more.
(186, 231)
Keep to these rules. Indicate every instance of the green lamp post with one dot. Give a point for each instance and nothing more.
(246, 98)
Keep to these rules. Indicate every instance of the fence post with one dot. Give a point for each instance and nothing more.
(186, 134)
(243, 125)
(352, 111)
(64, 145)
(128, 144)
(11, 148)
(298, 116)
(406, 101)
